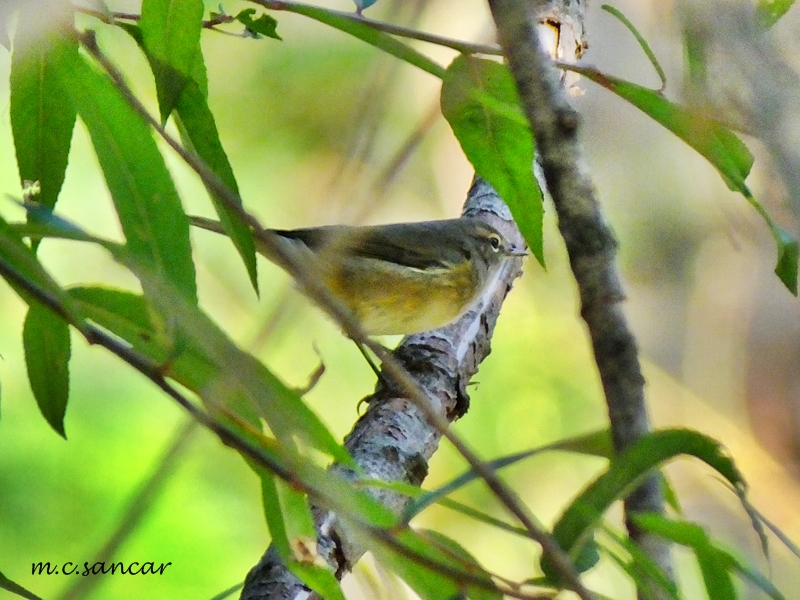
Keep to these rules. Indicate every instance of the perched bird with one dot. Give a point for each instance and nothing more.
(402, 278)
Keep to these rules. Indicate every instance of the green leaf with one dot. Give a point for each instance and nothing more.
(645, 572)
(209, 364)
(597, 443)
(41, 121)
(639, 38)
(46, 340)
(273, 511)
(147, 203)
(788, 251)
(575, 526)
(716, 576)
(724, 150)
(201, 132)
(15, 588)
(171, 38)
(495, 140)
(18, 262)
(769, 11)
(371, 36)
(319, 579)
(716, 564)
(430, 582)
(294, 536)
(263, 25)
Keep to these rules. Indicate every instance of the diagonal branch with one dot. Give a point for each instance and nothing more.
(396, 437)
(590, 243)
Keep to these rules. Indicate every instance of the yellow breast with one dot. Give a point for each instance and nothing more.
(392, 299)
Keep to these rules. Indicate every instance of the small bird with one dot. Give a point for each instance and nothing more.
(402, 278)
(362, 4)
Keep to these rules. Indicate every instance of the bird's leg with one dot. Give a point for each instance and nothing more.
(369, 360)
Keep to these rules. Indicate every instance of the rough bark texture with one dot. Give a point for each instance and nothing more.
(590, 243)
(393, 441)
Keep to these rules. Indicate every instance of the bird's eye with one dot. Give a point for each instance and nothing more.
(494, 242)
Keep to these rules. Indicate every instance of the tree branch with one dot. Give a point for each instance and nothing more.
(590, 243)
(395, 438)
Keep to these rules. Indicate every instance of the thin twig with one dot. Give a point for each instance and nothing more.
(110, 17)
(398, 30)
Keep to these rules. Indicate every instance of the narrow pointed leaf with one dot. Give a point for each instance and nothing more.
(498, 144)
(370, 35)
(645, 572)
(575, 526)
(41, 121)
(201, 357)
(716, 575)
(718, 145)
(425, 579)
(201, 131)
(147, 203)
(46, 341)
(291, 527)
(211, 365)
(715, 562)
(171, 36)
(639, 38)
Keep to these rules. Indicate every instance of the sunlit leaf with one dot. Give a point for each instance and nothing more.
(294, 536)
(211, 365)
(497, 143)
(199, 131)
(147, 203)
(171, 36)
(45, 337)
(205, 360)
(41, 121)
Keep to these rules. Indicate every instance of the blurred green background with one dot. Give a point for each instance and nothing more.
(321, 128)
